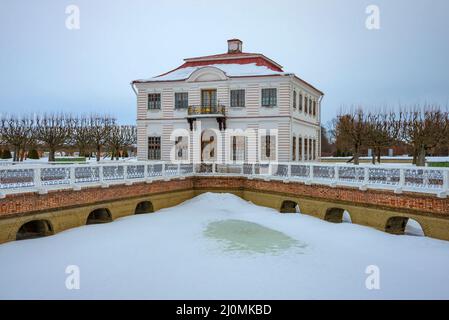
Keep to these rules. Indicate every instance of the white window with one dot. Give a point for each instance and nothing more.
(268, 147)
(238, 98)
(238, 148)
(181, 100)
(181, 148)
(269, 97)
(154, 101)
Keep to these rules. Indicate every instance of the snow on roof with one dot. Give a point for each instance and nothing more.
(230, 69)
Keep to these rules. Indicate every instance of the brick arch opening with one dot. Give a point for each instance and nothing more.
(144, 207)
(289, 206)
(101, 215)
(404, 225)
(34, 229)
(337, 215)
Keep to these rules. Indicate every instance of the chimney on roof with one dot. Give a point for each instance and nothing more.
(234, 46)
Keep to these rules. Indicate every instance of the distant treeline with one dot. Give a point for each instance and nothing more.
(420, 129)
(86, 134)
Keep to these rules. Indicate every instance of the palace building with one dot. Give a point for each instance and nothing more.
(237, 92)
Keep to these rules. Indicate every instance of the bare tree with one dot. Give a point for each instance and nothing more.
(382, 130)
(120, 138)
(350, 129)
(82, 135)
(100, 129)
(423, 129)
(17, 133)
(327, 147)
(53, 130)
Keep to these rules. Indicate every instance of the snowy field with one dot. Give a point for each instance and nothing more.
(217, 246)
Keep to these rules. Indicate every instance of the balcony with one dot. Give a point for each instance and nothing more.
(214, 111)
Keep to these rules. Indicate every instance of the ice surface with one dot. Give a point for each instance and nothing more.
(249, 237)
(210, 247)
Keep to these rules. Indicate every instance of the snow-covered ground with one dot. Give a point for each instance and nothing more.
(218, 246)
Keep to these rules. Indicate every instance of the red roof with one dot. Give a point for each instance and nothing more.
(233, 58)
(238, 57)
(229, 58)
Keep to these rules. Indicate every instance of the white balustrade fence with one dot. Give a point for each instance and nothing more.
(41, 178)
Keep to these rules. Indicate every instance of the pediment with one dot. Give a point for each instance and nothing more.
(206, 74)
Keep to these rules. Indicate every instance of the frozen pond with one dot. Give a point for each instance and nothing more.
(217, 246)
(249, 237)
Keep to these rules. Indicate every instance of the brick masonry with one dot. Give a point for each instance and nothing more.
(31, 203)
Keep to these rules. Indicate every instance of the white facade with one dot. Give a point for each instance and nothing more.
(208, 88)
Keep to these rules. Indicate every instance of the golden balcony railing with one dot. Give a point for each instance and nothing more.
(206, 110)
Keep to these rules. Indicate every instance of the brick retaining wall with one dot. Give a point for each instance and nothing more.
(26, 203)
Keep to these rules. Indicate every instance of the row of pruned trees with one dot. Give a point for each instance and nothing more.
(86, 134)
(421, 129)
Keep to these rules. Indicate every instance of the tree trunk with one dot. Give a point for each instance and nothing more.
(379, 155)
(373, 158)
(421, 159)
(356, 156)
(16, 154)
(51, 155)
(98, 153)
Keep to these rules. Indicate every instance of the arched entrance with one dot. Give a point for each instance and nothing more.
(337, 215)
(208, 146)
(404, 225)
(34, 229)
(289, 206)
(101, 215)
(144, 207)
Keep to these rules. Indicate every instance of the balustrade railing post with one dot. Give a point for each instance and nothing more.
(336, 174)
(163, 170)
(425, 179)
(289, 170)
(253, 169)
(446, 181)
(311, 172)
(72, 175)
(178, 170)
(125, 172)
(401, 178)
(214, 168)
(37, 178)
(145, 171)
(365, 176)
(100, 174)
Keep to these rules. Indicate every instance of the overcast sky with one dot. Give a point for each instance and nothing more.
(46, 67)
